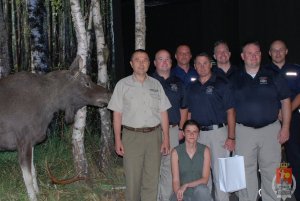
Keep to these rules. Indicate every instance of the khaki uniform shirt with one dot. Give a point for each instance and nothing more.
(139, 103)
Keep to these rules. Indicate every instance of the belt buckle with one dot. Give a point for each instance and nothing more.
(211, 127)
(215, 127)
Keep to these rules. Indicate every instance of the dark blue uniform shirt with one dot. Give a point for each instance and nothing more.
(175, 91)
(219, 70)
(291, 73)
(186, 78)
(257, 100)
(209, 102)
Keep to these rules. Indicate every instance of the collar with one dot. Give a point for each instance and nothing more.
(156, 75)
(276, 68)
(135, 80)
(179, 68)
(212, 78)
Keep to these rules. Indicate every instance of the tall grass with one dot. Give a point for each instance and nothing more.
(57, 152)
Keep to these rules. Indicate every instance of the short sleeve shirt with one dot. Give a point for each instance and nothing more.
(209, 102)
(139, 103)
(257, 100)
(175, 91)
(291, 73)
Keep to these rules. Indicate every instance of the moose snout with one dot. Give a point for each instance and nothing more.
(103, 100)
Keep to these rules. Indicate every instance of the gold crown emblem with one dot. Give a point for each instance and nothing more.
(284, 165)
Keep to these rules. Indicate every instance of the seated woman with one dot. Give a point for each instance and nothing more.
(190, 167)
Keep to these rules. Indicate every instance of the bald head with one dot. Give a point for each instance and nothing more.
(278, 42)
(162, 52)
(163, 62)
(278, 51)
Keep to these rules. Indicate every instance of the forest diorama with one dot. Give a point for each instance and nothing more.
(55, 154)
(41, 36)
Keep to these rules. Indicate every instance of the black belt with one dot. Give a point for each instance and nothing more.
(142, 130)
(211, 127)
(256, 127)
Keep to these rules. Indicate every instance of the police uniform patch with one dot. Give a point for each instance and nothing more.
(263, 80)
(209, 89)
(174, 87)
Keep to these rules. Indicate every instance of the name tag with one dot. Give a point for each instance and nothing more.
(263, 80)
(154, 90)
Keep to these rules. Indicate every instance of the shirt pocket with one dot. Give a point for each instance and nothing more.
(129, 100)
(154, 100)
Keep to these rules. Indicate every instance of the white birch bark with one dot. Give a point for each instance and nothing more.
(100, 44)
(38, 35)
(79, 155)
(106, 140)
(140, 24)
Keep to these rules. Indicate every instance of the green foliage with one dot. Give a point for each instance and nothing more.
(57, 152)
(56, 6)
(19, 2)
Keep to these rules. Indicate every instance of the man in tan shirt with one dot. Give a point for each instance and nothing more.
(139, 104)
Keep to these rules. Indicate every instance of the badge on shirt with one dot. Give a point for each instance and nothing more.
(174, 87)
(263, 80)
(154, 93)
(209, 89)
(154, 90)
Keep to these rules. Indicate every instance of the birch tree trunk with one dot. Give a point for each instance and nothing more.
(38, 35)
(4, 50)
(79, 155)
(89, 29)
(140, 24)
(106, 140)
(22, 35)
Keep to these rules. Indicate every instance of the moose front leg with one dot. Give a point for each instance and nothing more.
(28, 171)
(33, 173)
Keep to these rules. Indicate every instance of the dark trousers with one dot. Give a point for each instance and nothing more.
(293, 150)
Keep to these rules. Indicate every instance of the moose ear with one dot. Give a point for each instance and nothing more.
(75, 64)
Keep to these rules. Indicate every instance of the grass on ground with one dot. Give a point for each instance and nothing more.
(57, 152)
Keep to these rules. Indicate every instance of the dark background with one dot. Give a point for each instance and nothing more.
(199, 23)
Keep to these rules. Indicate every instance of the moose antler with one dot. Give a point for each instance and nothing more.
(55, 180)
